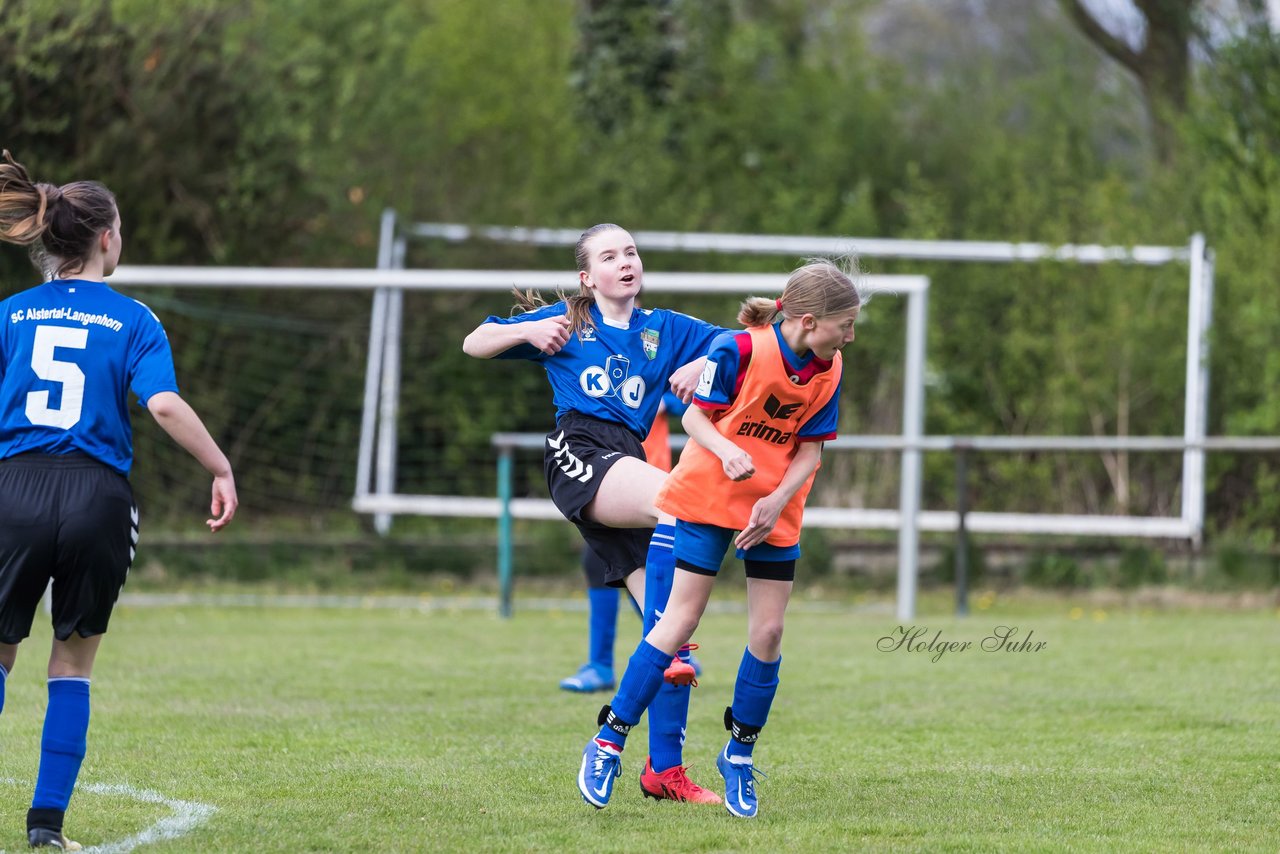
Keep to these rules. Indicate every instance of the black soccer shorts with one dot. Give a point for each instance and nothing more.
(576, 456)
(71, 519)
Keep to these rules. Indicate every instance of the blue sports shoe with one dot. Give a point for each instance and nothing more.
(739, 783)
(601, 765)
(589, 679)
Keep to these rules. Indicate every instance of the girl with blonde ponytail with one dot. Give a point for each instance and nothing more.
(767, 400)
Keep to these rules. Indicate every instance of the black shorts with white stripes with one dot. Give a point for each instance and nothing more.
(576, 456)
(69, 518)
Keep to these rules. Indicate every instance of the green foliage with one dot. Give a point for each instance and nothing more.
(276, 132)
(1054, 569)
(944, 571)
(1234, 132)
(1140, 565)
(1234, 565)
(203, 164)
(626, 51)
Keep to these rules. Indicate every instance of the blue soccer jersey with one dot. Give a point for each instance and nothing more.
(69, 352)
(617, 373)
(727, 361)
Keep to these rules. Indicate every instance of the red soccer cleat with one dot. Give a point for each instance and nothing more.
(682, 672)
(674, 785)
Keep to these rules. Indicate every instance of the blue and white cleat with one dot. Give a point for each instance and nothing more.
(588, 680)
(601, 765)
(739, 783)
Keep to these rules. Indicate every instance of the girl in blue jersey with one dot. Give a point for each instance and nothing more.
(608, 362)
(70, 351)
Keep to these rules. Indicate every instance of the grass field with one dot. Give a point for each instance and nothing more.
(329, 729)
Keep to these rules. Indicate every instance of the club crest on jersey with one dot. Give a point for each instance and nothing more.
(613, 380)
(649, 339)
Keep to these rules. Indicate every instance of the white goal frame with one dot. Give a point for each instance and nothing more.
(381, 390)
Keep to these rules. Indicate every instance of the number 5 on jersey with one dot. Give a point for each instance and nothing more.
(68, 374)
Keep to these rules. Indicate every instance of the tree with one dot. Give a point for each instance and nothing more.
(1162, 64)
(626, 50)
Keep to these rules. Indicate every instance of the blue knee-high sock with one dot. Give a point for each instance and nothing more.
(66, 722)
(639, 684)
(4, 677)
(659, 567)
(669, 711)
(603, 625)
(753, 694)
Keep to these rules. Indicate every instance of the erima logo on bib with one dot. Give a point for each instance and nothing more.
(613, 380)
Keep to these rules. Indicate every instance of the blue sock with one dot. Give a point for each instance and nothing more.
(66, 721)
(659, 568)
(4, 677)
(603, 625)
(669, 711)
(640, 683)
(753, 694)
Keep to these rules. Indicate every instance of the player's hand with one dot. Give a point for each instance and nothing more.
(737, 464)
(549, 334)
(224, 503)
(763, 518)
(684, 381)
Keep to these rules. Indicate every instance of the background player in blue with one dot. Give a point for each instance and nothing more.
(608, 362)
(70, 351)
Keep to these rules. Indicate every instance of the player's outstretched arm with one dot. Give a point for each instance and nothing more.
(489, 339)
(180, 421)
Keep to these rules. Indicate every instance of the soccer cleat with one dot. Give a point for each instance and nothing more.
(674, 785)
(601, 765)
(739, 783)
(47, 837)
(589, 679)
(682, 672)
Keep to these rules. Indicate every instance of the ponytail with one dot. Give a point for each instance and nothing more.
(759, 311)
(577, 307)
(23, 203)
(60, 224)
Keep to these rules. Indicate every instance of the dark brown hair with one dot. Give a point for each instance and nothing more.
(578, 306)
(59, 224)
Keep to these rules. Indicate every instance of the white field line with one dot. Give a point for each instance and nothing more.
(186, 817)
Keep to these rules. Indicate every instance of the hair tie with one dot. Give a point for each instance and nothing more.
(778, 303)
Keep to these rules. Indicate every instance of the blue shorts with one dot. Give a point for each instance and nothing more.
(701, 548)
